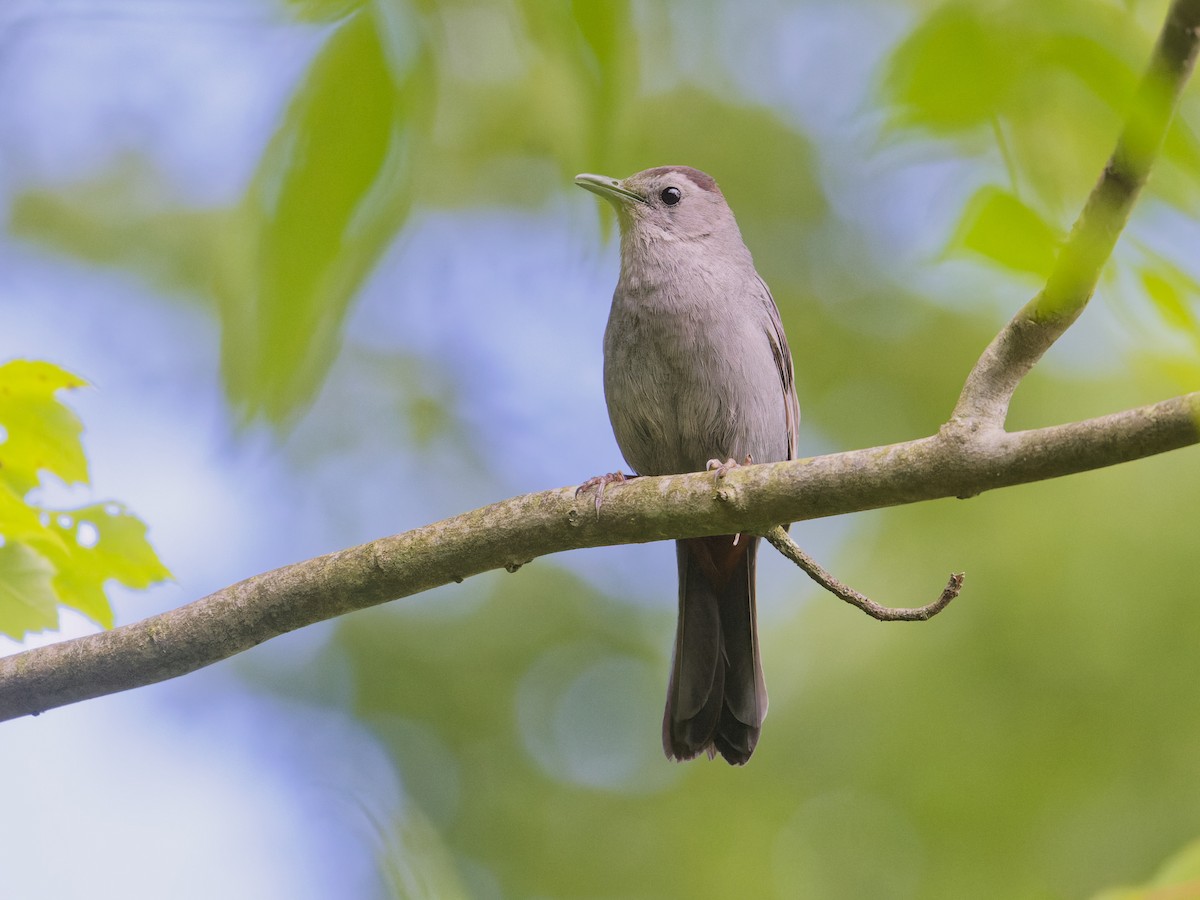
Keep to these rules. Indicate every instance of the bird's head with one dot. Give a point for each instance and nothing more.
(668, 203)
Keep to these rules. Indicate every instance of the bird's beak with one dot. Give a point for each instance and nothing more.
(608, 188)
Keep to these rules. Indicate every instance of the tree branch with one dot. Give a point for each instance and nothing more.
(508, 534)
(1043, 320)
(970, 454)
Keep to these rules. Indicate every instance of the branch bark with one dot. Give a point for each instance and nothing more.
(971, 453)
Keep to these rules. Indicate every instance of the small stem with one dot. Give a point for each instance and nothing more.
(783, 542)
(1010, 164)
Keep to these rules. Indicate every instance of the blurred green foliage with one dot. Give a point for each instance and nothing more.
(1037, 741)
(1045, 85)
(1005, 231)
(52, 557)
(331, 189)
(428, 105)
(1179, 877)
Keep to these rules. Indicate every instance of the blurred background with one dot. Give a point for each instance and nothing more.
(325, 270)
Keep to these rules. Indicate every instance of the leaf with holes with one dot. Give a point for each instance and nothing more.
(53, 557)
(101, 542)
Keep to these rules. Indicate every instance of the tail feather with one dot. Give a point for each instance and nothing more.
(717, 699)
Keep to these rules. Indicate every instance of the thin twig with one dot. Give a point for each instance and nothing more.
(783, 542)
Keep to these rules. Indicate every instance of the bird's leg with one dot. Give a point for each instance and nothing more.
(600, 482)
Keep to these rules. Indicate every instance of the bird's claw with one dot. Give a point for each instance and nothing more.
(721, 469)
(600, 482)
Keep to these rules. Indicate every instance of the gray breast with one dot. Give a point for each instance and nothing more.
(689, 382)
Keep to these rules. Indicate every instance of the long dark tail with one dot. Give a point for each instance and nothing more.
(717, 700)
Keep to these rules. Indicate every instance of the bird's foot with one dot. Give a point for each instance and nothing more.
(721, 469)
(600, 482)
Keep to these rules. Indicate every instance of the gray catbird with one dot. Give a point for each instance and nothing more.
(697, 370)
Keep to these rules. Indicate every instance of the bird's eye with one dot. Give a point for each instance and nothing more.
(671, 196)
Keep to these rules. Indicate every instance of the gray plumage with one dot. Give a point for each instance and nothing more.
(697, 367)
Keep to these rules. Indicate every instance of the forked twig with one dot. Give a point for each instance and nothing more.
(783, 542)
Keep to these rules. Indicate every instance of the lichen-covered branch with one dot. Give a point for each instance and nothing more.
(506, 535)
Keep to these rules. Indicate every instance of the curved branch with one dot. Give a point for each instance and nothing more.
(508, 534)
(782, 542)
(1031, 332)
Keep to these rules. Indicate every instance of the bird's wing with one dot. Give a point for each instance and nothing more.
(787, 374)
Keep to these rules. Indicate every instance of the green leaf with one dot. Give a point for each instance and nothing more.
(328, 196)
(1042, 83)
(999, 227)
(56, 557)
(122, 216)
(27, 599)
(609, 36)
(100, 542)
(1091, 49)
(19, 521)
(1175, 182)
(606, 29)
(1169, 289)
(956, 69)
(39, 434)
